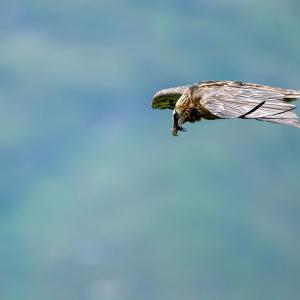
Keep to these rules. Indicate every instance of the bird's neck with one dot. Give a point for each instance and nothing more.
(184, 101)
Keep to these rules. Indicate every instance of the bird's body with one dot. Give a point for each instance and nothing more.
(226, 100)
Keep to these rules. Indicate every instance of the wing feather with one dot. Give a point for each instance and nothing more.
(250, 102)
(167, 98)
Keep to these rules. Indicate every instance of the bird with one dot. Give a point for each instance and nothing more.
(224, 99)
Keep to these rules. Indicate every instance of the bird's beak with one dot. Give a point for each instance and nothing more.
(174, 131)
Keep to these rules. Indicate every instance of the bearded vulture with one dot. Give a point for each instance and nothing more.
(213, 100)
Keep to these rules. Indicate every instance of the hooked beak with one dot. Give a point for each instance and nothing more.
(174, 131)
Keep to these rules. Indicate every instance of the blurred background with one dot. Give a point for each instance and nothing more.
(97, 199)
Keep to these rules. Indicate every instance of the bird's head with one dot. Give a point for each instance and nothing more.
(167, 99)
(178, 120)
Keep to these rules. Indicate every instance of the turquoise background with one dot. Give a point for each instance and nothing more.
(97, 199)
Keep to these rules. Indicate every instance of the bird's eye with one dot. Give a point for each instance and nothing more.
(175, 115)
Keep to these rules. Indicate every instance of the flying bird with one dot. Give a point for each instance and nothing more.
(213, 100)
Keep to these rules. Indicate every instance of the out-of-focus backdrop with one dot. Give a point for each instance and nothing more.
(98, 200)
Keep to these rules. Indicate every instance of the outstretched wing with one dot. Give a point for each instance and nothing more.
(249, 101)
(167, 98)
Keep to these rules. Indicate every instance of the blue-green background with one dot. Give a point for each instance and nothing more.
(98, 201)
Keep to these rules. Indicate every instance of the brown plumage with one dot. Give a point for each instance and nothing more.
(227, 100)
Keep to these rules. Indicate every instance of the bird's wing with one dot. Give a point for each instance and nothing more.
(167, 98)
(249, 101)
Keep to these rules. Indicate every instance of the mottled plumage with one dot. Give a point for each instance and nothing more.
(227, 100)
